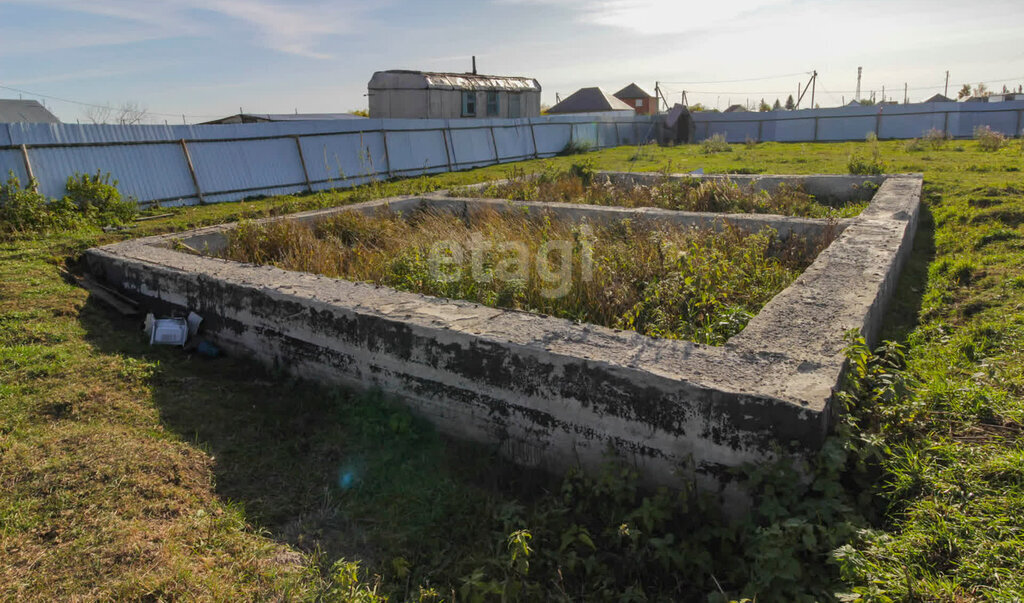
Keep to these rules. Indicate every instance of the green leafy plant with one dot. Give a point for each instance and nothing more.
(988, 139)
(715, 143)
(96, 197)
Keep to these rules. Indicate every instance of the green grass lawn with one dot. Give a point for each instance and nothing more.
(137, 472)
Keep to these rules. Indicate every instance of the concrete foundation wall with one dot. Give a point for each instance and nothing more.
(551, 392)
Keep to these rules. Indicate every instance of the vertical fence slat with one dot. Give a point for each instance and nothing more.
(302, 160)
(28, 168)
(192, 171)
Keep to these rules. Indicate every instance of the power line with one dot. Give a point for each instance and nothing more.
(756, 92)
(749, 79)
(84, 104)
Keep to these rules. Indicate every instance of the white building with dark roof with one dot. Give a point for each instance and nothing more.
(399, 93)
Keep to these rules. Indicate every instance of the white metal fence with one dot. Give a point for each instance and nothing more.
(193, 164)
(958, 120)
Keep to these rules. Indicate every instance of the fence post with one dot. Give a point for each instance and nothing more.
(447, 154)
(28, 168)
(1020, 112)
(494, 144)
(192, 171)
(533, 136)
(302, 160)
(760, 130)
(618, 138)
(815, 128)
(945, 124)
(387, 155)
(878, 122)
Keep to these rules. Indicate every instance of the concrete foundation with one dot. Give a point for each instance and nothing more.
(548, 391)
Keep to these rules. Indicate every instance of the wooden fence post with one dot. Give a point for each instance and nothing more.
(302, 160)
(28, 169)
(533, 136)
(494, 144)
(192, 171)
(387, 155)
(447, 153)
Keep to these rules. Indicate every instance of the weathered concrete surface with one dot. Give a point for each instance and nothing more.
(548, 391)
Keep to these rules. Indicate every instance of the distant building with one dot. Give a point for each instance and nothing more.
(938, 98)
(638, 99)
(589, 100)
(13, 110)
(423, 94)
(735, 109)
(253, 118)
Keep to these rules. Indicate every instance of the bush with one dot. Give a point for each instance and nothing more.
(988, 139)
(23, 209)
(935, 138)
(98, 199)
(870, 164)
(576, 147)
(90, 200)
(714, 144)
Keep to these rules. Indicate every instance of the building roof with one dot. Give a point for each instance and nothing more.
(15, 110)
(247, 118)
(631, 91)
(403, 79)
(938, 98)
(735, 109)
(587, 100)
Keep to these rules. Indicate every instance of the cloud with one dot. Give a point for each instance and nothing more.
(655, 17)
(290, 27)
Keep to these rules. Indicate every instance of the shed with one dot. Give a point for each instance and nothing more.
(589, 100)
(28, 111)
(637, 98)
(400, 93)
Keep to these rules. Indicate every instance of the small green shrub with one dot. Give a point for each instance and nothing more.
(715, 144)
(867, 164)
(23, 209)
(988, 139)
(98, 199)
(576, 147)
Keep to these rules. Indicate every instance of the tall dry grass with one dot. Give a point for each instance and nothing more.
(580, 184)
(657, 279)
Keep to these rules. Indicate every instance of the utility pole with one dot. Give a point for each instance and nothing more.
(798, 96)
(857, 98)
(883, 93)
(904, 93)
(814, 84)
(946, 91)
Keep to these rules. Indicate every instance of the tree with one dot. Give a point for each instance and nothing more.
(777, 106)
(965, 91)
(764, 106)
(129, 113)
(981, 90)
(790, 103)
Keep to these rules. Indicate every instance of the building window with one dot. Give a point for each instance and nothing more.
(639, 102)
(492, 103)
(469, 104)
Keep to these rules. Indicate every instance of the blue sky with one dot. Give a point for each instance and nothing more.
(207, 58)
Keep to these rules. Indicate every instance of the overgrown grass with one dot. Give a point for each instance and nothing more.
(130, 472)
(657, 279)
(581, 184)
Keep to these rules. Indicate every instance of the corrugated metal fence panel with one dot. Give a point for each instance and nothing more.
(246, 165)
(341, 157)
(143, 171)
(853, 123)
(514, 143)
(416, 152)
(846, 128)
(11, 161)
(239, 160)
(551, 138)
(472, 147)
